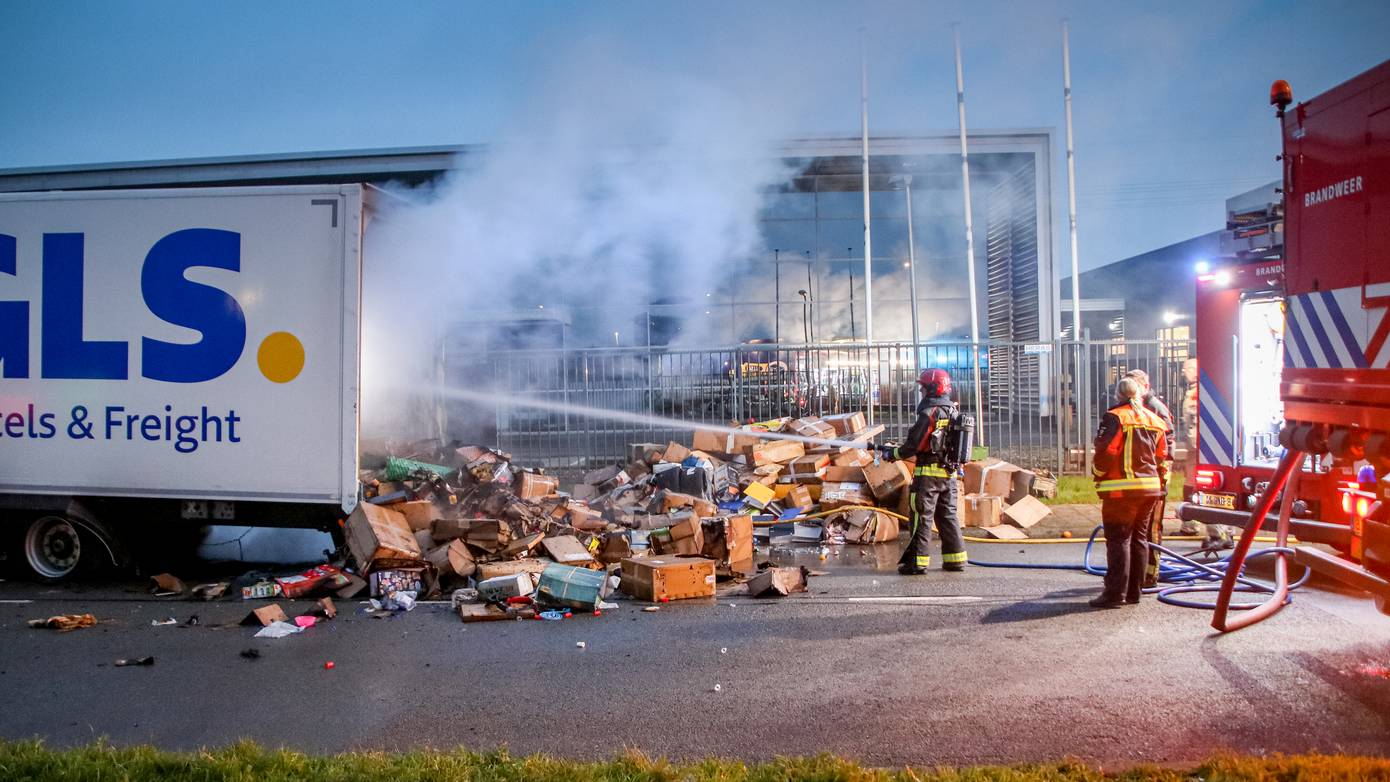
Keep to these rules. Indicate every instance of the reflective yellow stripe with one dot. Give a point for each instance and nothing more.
(1129, 453)
(959, 556)
(933, 470)
(943, 423)
(924, 561)
(1125, 484)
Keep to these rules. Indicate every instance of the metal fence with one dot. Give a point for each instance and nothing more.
(1039, 405)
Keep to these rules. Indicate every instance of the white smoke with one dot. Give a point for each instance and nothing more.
(616, 186)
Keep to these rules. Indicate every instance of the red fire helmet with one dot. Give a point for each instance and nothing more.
(935, 382)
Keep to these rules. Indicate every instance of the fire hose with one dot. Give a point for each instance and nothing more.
(1178, 574)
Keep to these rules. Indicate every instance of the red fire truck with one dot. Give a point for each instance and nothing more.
(1240, 355)
(1332, 458)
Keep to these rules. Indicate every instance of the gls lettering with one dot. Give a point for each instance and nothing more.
(168, 294)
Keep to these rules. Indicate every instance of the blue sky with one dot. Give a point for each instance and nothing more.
(1170, 98)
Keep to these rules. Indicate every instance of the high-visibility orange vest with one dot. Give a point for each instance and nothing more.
(1131, 453)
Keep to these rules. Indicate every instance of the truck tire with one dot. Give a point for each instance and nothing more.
(55, 550)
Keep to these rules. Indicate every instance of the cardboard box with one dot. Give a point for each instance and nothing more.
(673, 501)
(490, 535)
(685, 537)
(980, 510)
(585, 519)
(656, 579)
(991, 476)
(266, 616)
(567, 550)
(846, 424)
(675, 452)
(843, 475)
(778, 582)
(886, 478)
(799, 497)
(528, 567)
(1005, 532)
(721, 442)
(728, 541)
(855, 457)
(418, 513)
(532, 487)
(839, 495)
(870, 526)
(812, 426)
(614, 548)
(445, 530)
(776, 452)
(452, 559)
(810, 464)
(384, 582)
(759, 495)
(374, 532)
(1026, 512)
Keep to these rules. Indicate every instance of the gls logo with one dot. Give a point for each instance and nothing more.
(169, 296)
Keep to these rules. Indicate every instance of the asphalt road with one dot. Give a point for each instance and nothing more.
(982, 667)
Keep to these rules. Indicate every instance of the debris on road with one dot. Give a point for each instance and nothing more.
(134, 661)
(65, 623)
(778, 582)
(278, 630)
(166, 585)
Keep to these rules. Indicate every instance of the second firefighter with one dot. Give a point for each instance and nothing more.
(933, 482)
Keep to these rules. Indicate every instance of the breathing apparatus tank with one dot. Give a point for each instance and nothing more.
(960, 438)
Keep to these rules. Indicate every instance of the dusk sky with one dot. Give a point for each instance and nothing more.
(1171, 111)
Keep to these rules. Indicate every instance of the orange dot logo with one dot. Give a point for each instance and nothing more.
(281, 357)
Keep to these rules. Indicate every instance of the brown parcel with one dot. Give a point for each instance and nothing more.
(670, 578)
(374, 532)
(777, 452)
(567, 550)
(718, 442)
(857, 457)
(991, 476)
(844, 474)
(729, 542)
(418, 513)
(870, 526)
(980, 510)
(887, 478)
(532, 487)
(452, 558)
(799, 497)
(810, 464)
(778, 582)
(445, 530)
(846, 423)
(675, 452)
(684, 537)
(493, 569)
(812, 427)
(1026, 512)
(839, 495)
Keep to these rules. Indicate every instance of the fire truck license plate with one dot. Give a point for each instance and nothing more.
(1227, 501)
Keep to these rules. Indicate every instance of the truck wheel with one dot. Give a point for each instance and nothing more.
(53, 548)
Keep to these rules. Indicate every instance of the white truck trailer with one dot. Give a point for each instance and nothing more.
(175, 355)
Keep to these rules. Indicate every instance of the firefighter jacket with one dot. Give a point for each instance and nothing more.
(926, 439)
(1131, 457)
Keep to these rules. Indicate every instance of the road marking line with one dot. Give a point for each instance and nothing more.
(15, 602)
(922, 600)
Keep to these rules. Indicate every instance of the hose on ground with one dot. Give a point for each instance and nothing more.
(1177, 574)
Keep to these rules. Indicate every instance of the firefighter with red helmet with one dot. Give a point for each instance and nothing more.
(933, 485)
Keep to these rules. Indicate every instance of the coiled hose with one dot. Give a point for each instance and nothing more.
(1182, 575)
